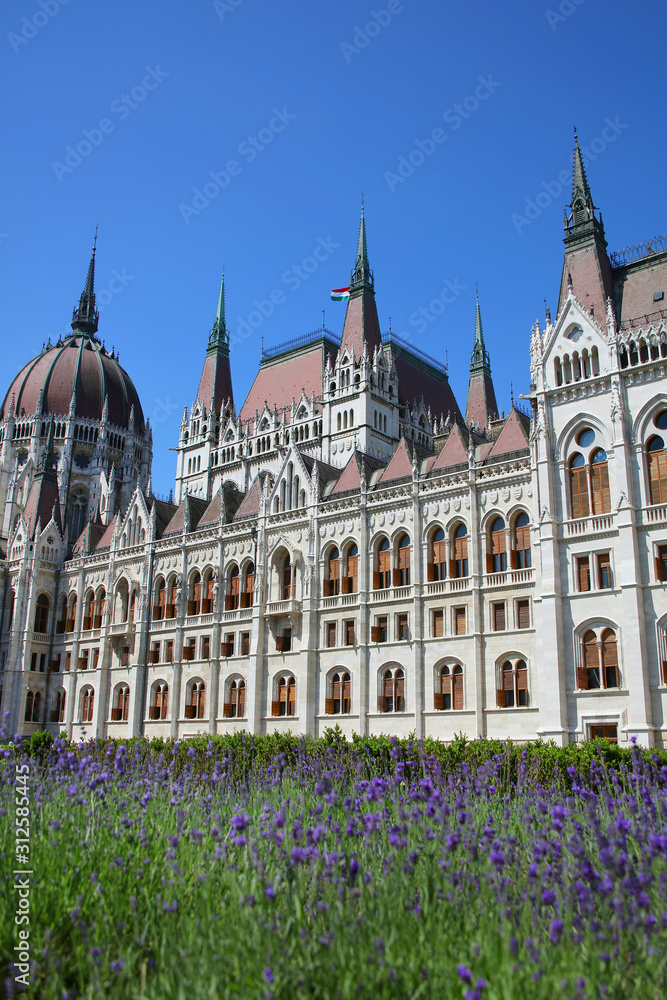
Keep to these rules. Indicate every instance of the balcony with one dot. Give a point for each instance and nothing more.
(654, 515)
(281, 608)
(510, 578)
(597, 525)
(122, 628)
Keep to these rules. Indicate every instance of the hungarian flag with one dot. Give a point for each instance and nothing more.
(339, 294)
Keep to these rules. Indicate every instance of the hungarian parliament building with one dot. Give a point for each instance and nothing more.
(351, 546)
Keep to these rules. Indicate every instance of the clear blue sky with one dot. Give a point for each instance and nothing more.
(313, 109)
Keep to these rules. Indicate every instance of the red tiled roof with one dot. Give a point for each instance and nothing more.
(416, 383)
(195, 507)
(105, 540)
(634, 288)
(250, 504)
(454, 451)
(513, 436)
(281, 380)
(361, 324)
(216, 381)
(42, 499)
(591, 279)
(400, 464)
(82, 363)
(481, 406)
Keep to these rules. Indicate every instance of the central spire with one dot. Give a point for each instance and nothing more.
(361, 328)
(479, 358)
(582, 220)
(361, 275)
(219, 336)
(85, 318)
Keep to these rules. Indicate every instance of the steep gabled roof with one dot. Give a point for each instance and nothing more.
(513, 436)
(454, 451)
(105, 540)
(89, 538)
(250, 504)
(350, 477)
(164, 511)
(400, 464)
(194, 506)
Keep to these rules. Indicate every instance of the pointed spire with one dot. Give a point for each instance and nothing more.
(581, 221)
(86, 317)
(219, 335)
(479, 358)
(47, 462)
(362, 274)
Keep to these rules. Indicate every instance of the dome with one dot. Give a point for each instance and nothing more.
(79, 362)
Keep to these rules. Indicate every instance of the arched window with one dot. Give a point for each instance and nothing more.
(600, 482)
(285, 704)
(58, 710)
(233, 595)
(351, 578)
(71, 613)
(42, 613)
(579, 503)
(159, 701)
(89, 609)
(450, 684)
(77, 509)
(657, 470)
(402, 573)
(438, 556)
(30, 699)
(332, 581)
(87, 704)
(207, 598)
(248, 586)
(286, 580)
(512, 690)
(121, 703)
(160, 600)
(521, 551)
(382, 576)
(340, 701)
(496, 558)
(460, 560)
(195, 704)
(234, 707)
(194, 603)
(100, 604)
(599, 660)
(392, 697)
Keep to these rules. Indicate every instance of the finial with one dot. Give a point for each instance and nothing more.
(323, 326)
(512, 394)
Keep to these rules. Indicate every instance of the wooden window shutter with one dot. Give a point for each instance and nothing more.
(240, 710)
(328, 706)
(583, 573)
(275, 708)
(452, 568)
(400, 687)
(445, 684)
(345, 585)
(500, 699)
(489, 562)
(664, 671)
(499, 617)
(522, 680)
(438, 702)
(335, 690)
(396, 577)
(375, 633)
(227, 710)
(202, 702)
(508, 680)
(523, 614)
(388, 687)
(430, 571)
(381, 704)
(347, 693)
(582, 678)
(438, 623)
(579, 492)
(514, 559)
(610, 652)
(457, 693)
(591, 657)
(460, 621)
(376, 581)
(600, 487)
(659, 567)
(280, 643)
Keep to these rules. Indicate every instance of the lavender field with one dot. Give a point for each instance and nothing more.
(208, 871)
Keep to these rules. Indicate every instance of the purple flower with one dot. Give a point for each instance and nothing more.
(464, 973)
(117, 966)
(548, 897)
(555, 931)
(268, 974)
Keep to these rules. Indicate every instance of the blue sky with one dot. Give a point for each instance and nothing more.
(288, 112)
